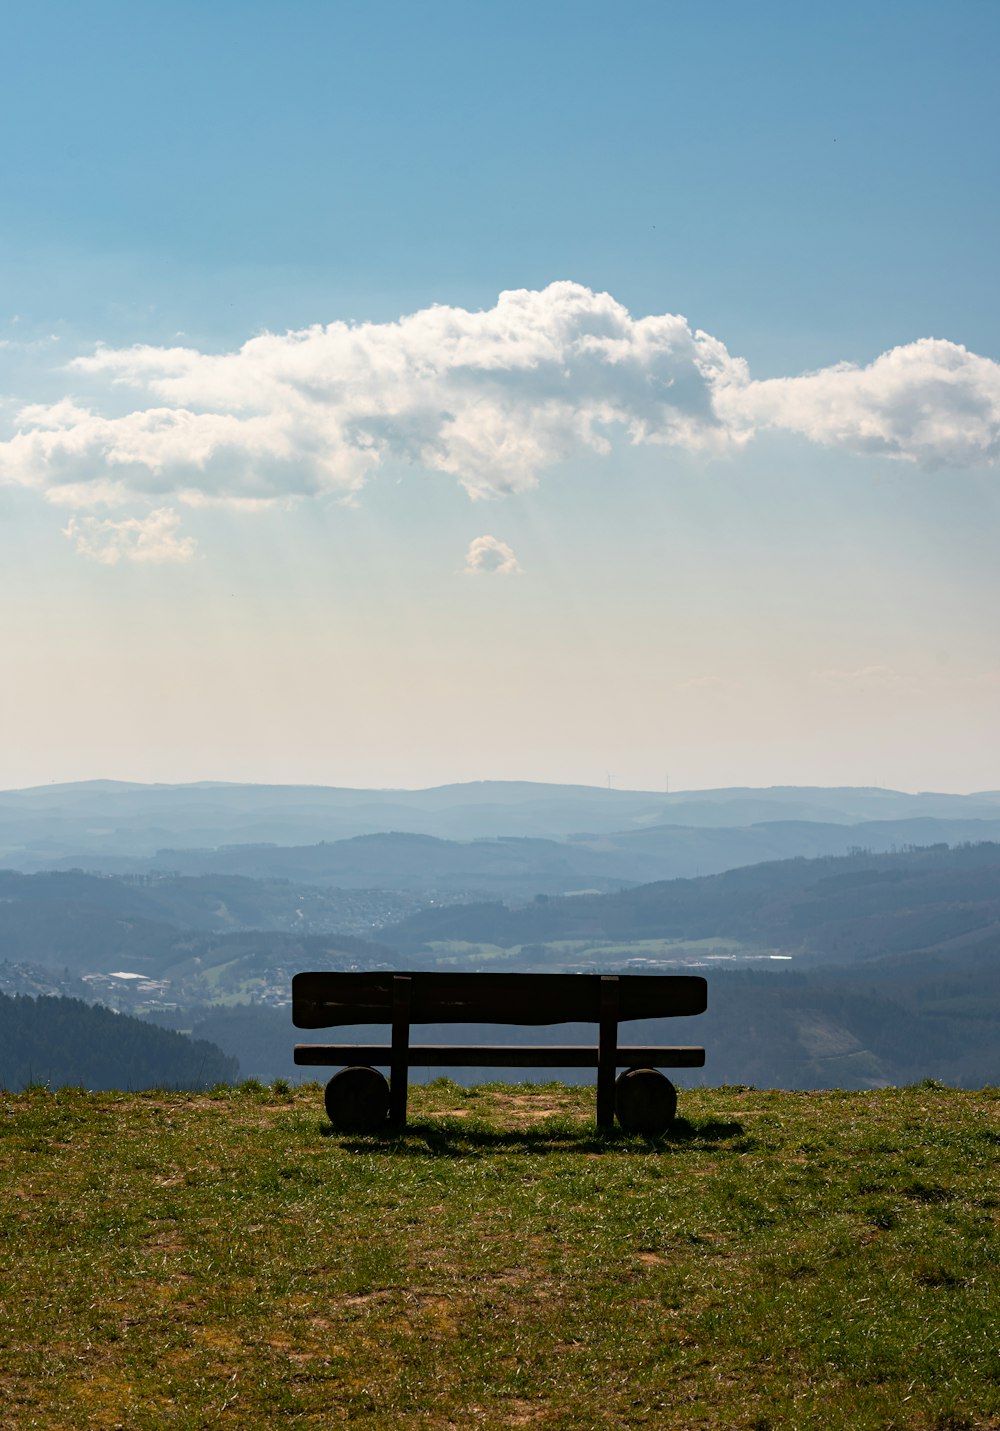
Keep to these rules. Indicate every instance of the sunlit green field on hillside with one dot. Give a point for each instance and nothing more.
(556, 952)
(781, 1260)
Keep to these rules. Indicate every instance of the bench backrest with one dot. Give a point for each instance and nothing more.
(328, 998)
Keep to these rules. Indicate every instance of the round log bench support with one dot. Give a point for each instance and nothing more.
(357, 1100)
(645, 1101)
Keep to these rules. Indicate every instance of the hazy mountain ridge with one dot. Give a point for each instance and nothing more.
(808, 905)
(48, 823)
(517, 867)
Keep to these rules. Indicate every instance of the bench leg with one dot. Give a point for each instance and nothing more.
(399, 1068)
(398, 1080)
(607, 1053)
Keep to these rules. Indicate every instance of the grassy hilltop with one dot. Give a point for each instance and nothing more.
(788, 1260)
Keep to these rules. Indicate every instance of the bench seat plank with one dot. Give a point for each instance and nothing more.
(495, 1056)
(328, 998)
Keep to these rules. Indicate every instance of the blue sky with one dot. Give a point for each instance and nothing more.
(756, 583)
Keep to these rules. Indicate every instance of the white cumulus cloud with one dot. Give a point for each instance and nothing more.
(488, 554)
(151, 539)
(931, 402)
(491, 397)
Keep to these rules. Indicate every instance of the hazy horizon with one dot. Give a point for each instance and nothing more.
(674, 793)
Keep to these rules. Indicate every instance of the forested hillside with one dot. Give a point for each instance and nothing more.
(845, 908)
(51, 904)
(775, 1030)
(162, 926)
(842, 908)
(65, 1041)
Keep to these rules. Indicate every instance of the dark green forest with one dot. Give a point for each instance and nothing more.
(61, 1041)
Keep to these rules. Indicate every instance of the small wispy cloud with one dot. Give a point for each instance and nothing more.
(859, 677)
(30, 345)
(985, 681)
(489, 555)
(704, 683)
(152, 539)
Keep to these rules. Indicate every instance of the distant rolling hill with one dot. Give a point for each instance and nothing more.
(222, 903)
(832, 909)
(111, 818)
(512, 868)
(896, 975)
(164, 927)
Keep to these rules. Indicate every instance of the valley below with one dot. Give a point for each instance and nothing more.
(859, 969)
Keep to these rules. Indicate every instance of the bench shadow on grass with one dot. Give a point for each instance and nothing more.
(452, 1138)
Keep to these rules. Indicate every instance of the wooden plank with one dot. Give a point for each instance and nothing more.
(494, 1056)
(330, 998)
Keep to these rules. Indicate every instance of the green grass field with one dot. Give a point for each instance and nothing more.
(781, 1260)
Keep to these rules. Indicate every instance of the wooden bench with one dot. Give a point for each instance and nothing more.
(359, 1096)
